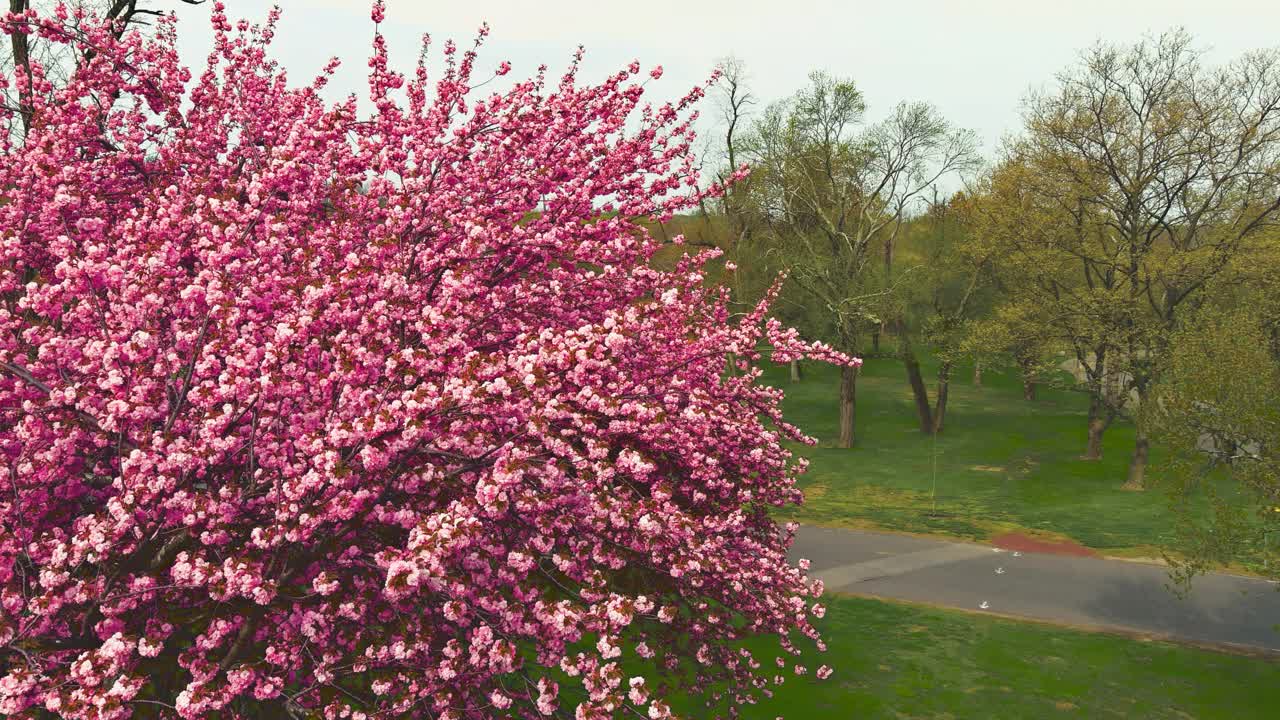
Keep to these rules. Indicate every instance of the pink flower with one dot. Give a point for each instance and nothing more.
(392, 397)
(499, 700)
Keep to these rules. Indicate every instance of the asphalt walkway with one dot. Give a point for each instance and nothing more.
(1107, 594)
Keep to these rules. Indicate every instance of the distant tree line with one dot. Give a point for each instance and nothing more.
(1128, 227)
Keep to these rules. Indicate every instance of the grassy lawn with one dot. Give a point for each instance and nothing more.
(1002, 463)
(903, 661)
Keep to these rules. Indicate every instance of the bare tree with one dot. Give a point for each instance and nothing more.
(908, 154)
(734, 101)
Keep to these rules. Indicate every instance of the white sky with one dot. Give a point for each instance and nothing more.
(974, 59)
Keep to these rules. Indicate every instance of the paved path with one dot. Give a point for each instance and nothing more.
(1115, 594)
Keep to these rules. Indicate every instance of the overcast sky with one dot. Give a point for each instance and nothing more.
(974, 59)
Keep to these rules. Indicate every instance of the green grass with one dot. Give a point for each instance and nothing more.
(902, 661)
(1002, 463)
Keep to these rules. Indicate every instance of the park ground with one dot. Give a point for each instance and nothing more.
(895, 660)
(1003, 465)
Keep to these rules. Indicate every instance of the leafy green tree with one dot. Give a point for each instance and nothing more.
(829, 196)
(1138, 178)
(1010, 329)
(950, 289)
(1215, 410)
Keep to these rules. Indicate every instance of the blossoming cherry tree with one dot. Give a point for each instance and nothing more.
(318, 414)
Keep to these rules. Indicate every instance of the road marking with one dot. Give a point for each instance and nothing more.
(855, 573)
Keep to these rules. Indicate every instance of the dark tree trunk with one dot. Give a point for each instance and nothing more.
(21, 45)
(944, 386)
(875, 340)
(1138, 463)
(848, 407)
(918, 390)
(1098, 422)
(795, 371)
(1028, 379)
(1137, 479)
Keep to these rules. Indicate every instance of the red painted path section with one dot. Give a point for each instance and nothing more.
(1024, 543)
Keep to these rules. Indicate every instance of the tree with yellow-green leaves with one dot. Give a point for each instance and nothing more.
(1136, 181)
(1215, 411)
(1046, 302)
(993, 213)
(951, 288)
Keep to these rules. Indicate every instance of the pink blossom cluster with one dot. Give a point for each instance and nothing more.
(306, 413)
